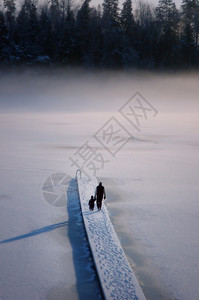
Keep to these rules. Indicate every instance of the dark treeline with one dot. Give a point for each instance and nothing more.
(63, 33)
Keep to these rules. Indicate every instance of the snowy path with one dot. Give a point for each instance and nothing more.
(115, 274)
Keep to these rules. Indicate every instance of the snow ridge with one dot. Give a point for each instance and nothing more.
(115, 274)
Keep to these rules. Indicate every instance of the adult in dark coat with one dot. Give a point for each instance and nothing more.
(99, 194)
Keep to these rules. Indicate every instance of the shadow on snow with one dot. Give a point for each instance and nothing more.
(35, 232)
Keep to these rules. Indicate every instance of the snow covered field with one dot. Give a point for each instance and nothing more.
(151, 183)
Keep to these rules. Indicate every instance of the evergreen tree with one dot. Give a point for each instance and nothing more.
(127, 18)
(33, 23)
(3, 39)
(21, 26)
(66, 50)
(44, 38)
(167, 17)
(28, 28)
(94, 53)
(110, 15)
(56, 27)
(112, 34)
(82, 31)
(190, 29)
(196, 24)
(83, 15)
(190, 15)
(63, 8)
(146, 35)
(55, 13)
(129, 54)
(10, 8)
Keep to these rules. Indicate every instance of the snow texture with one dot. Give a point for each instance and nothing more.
(115, 274)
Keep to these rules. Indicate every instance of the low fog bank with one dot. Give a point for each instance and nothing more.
(78, 91)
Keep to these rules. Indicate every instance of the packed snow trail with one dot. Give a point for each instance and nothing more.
(115, 274)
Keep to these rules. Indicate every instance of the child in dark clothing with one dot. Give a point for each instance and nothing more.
(91, 203)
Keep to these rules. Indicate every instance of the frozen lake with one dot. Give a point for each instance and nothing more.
(151, 182)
